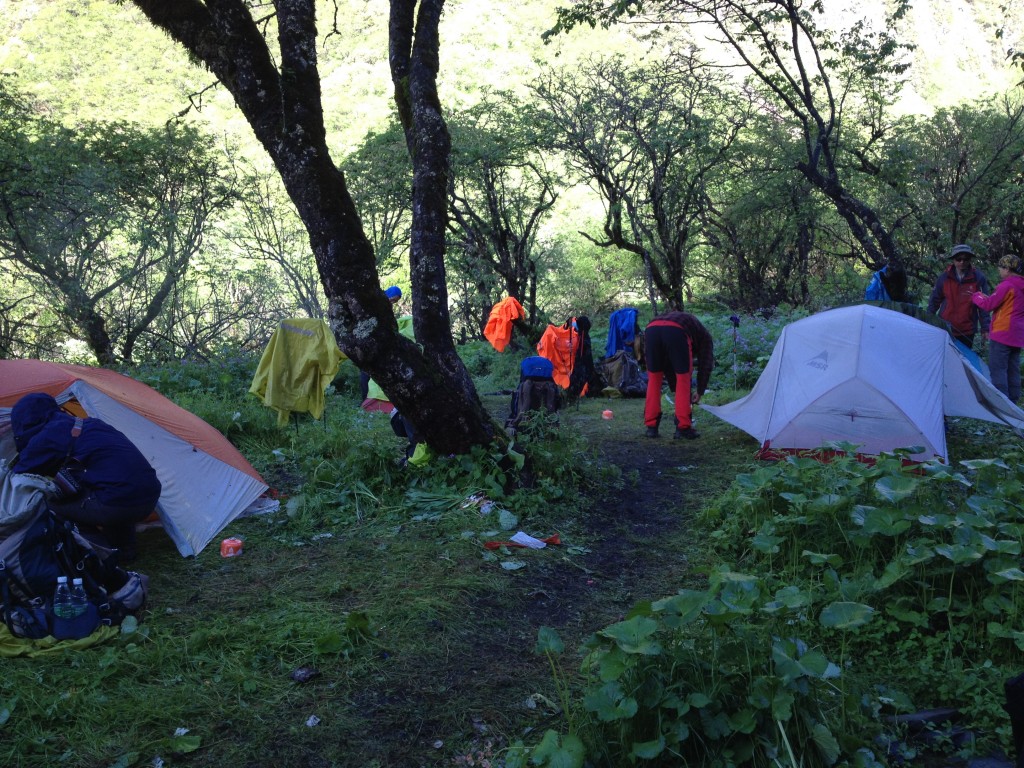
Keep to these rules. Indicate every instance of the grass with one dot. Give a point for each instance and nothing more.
(373, 580)
(216, 651)
(371, 575)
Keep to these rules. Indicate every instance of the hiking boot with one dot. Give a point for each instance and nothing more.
(686, 434)
(652, 431)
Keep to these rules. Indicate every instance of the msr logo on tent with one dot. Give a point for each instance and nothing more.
(819, 361)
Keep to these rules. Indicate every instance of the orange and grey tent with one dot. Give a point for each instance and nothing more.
(206, 482)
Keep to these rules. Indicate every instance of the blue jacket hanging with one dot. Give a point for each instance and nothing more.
(621, 330)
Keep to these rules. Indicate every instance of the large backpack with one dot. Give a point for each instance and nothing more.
(537, 392)
(622, 371)
(584, 379)
(45, 547)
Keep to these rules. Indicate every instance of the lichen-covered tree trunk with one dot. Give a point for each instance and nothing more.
(413, 56)
(283, 106)
(94, 328)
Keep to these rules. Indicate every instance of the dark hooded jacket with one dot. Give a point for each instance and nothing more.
(702, 345)
(102, 458)
(584, 380)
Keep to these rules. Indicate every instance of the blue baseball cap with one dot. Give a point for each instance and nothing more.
(394, 293)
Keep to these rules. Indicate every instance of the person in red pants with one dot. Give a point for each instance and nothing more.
(673, 343)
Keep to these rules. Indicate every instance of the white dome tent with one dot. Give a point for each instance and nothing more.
(870, 376)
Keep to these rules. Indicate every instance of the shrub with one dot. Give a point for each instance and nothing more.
(841, 593)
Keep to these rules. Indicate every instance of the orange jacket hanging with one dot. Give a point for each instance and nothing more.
(559, 344)
(499, 324)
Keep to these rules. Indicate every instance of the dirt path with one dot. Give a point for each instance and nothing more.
(632, 532)
(464, 679)
(637, 548)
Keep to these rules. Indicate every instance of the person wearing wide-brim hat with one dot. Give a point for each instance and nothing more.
(951, 297)
(1006, 336)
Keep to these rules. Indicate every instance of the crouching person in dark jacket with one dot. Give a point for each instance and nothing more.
(112, 485)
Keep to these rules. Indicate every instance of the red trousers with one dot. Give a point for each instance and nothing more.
(669, 351)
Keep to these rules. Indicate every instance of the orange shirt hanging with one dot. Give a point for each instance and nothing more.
(559, 344)
(499, 324)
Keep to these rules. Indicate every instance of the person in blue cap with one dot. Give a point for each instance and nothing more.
(394, 295)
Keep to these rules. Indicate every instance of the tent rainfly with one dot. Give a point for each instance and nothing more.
(206, 482)
(869, 376)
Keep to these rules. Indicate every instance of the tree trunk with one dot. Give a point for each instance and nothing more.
(285, 111)
(96, 336)
(864, 222)
(413, 57)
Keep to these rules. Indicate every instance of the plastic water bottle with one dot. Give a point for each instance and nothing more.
(79, 600)
(62, 599)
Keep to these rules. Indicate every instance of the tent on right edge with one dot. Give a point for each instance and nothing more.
(869, 376)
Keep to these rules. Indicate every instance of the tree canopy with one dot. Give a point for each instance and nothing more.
(747, 152)
(279, 93)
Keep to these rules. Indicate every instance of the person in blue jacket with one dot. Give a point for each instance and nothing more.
(117, 486)
(887, 284)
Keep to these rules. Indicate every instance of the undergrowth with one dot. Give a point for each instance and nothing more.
(338, 616)
(832, 598)
(841, 595)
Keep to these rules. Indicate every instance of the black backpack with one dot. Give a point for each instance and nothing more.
(535, 395)
(46, 547)
(622, 371)
(584, 379)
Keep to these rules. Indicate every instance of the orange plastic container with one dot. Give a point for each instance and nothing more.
(231, 547)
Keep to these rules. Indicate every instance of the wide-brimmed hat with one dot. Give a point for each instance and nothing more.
(961, 250)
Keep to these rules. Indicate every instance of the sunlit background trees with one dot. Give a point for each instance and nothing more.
(676, 156)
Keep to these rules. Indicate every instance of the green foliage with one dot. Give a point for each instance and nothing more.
(556, 751)
(380, 179)
(355, 630)
(583, 279)
(838, 592)
(694, 678)
(965, 159)
(762, 238)
(743, 350)
(929, 546)
(504, 187)
(101, 229)
(910, 579)
(67, 54)
(647, 137)
(492, 371)
(352, 581)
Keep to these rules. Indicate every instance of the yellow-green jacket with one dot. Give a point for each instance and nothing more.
(297, 366)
